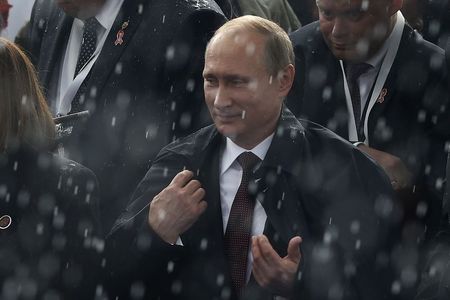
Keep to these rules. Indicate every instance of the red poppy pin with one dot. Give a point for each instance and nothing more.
(383, 94)
(5, 222)
(121, 33)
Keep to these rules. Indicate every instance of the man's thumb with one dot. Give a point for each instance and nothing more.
(293, 251)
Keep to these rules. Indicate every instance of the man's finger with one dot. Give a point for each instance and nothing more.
(259, 263)
(293, 250)
(267, 251)
(192, 186)
(202, 205)
(182, 178)
(198, 195)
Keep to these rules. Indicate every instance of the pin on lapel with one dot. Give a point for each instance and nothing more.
(121, 33)
(5, 222)
(383, 94)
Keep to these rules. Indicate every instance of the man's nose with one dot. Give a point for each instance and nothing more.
(340, 27)
(222, 98)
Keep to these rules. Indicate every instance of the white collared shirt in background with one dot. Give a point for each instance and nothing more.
(230, 179)
(106, 18)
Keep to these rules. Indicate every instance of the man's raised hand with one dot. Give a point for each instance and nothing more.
(176, 208)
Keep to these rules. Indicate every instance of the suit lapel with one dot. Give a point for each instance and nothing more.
(277, 187)
(110, 54)
(54, 45)
(206, 235)
(210, 223)
(390, 85)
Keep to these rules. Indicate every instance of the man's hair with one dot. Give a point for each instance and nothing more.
(278, 51)
(24, 114)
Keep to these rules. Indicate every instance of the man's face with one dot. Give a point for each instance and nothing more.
(81, 9)
(355, 30)
(243, 99)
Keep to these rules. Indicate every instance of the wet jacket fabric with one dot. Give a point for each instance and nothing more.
(46, 249)
(311, 183)
(140, 93)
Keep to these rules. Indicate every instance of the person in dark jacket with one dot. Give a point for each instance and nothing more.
(364, 73)
(138, 75)
(49, 225)
(259, 204)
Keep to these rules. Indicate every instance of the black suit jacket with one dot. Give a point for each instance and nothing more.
(140, 94)
(412, 123)
(48, 248)
(310, 184)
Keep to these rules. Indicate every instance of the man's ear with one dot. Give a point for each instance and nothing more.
(286, 78)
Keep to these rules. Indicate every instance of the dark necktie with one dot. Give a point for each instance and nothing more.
(88, 43)
(354, 71)
(238, 232)
(87, 49)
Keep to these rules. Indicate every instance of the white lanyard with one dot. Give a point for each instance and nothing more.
(379, 83)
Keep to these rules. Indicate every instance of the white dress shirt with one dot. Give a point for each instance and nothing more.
(230, 179)
(61, 105)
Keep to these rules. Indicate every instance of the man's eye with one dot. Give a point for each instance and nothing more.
(210, 81)
(237, 82)
(326, 14)
(355, 15)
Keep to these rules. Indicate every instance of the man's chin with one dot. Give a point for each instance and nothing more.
(223, 130)
(346, 55)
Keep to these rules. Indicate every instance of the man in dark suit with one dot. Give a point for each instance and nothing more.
(233, 202)
(396, 109)
(135, 66)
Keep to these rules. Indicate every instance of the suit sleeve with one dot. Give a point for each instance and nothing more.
(353, 217)
(134, 252)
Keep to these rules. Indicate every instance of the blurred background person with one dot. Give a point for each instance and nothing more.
(364, 73)
(48, 205)
(306, 10)
(431, 18)
(4, 13)
(278, 11)
(136, 67)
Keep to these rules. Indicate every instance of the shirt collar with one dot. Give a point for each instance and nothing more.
(376, 60)
(232, 151)
(108, 13)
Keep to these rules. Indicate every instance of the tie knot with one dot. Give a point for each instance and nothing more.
(356, 70)
(248, 160)
(91, 24)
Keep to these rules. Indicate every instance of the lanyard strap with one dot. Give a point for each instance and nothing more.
(379, 83)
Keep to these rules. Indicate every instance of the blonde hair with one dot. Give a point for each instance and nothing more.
(24, 115)
(278, 51)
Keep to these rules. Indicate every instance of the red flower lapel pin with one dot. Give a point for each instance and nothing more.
(121, 33)
(383, 94)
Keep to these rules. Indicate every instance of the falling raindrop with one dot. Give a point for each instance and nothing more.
(220, 279)
(204, 244)
(177, 287)
(137, 290)
(170, 266)
(355, 226)
(118, 68)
